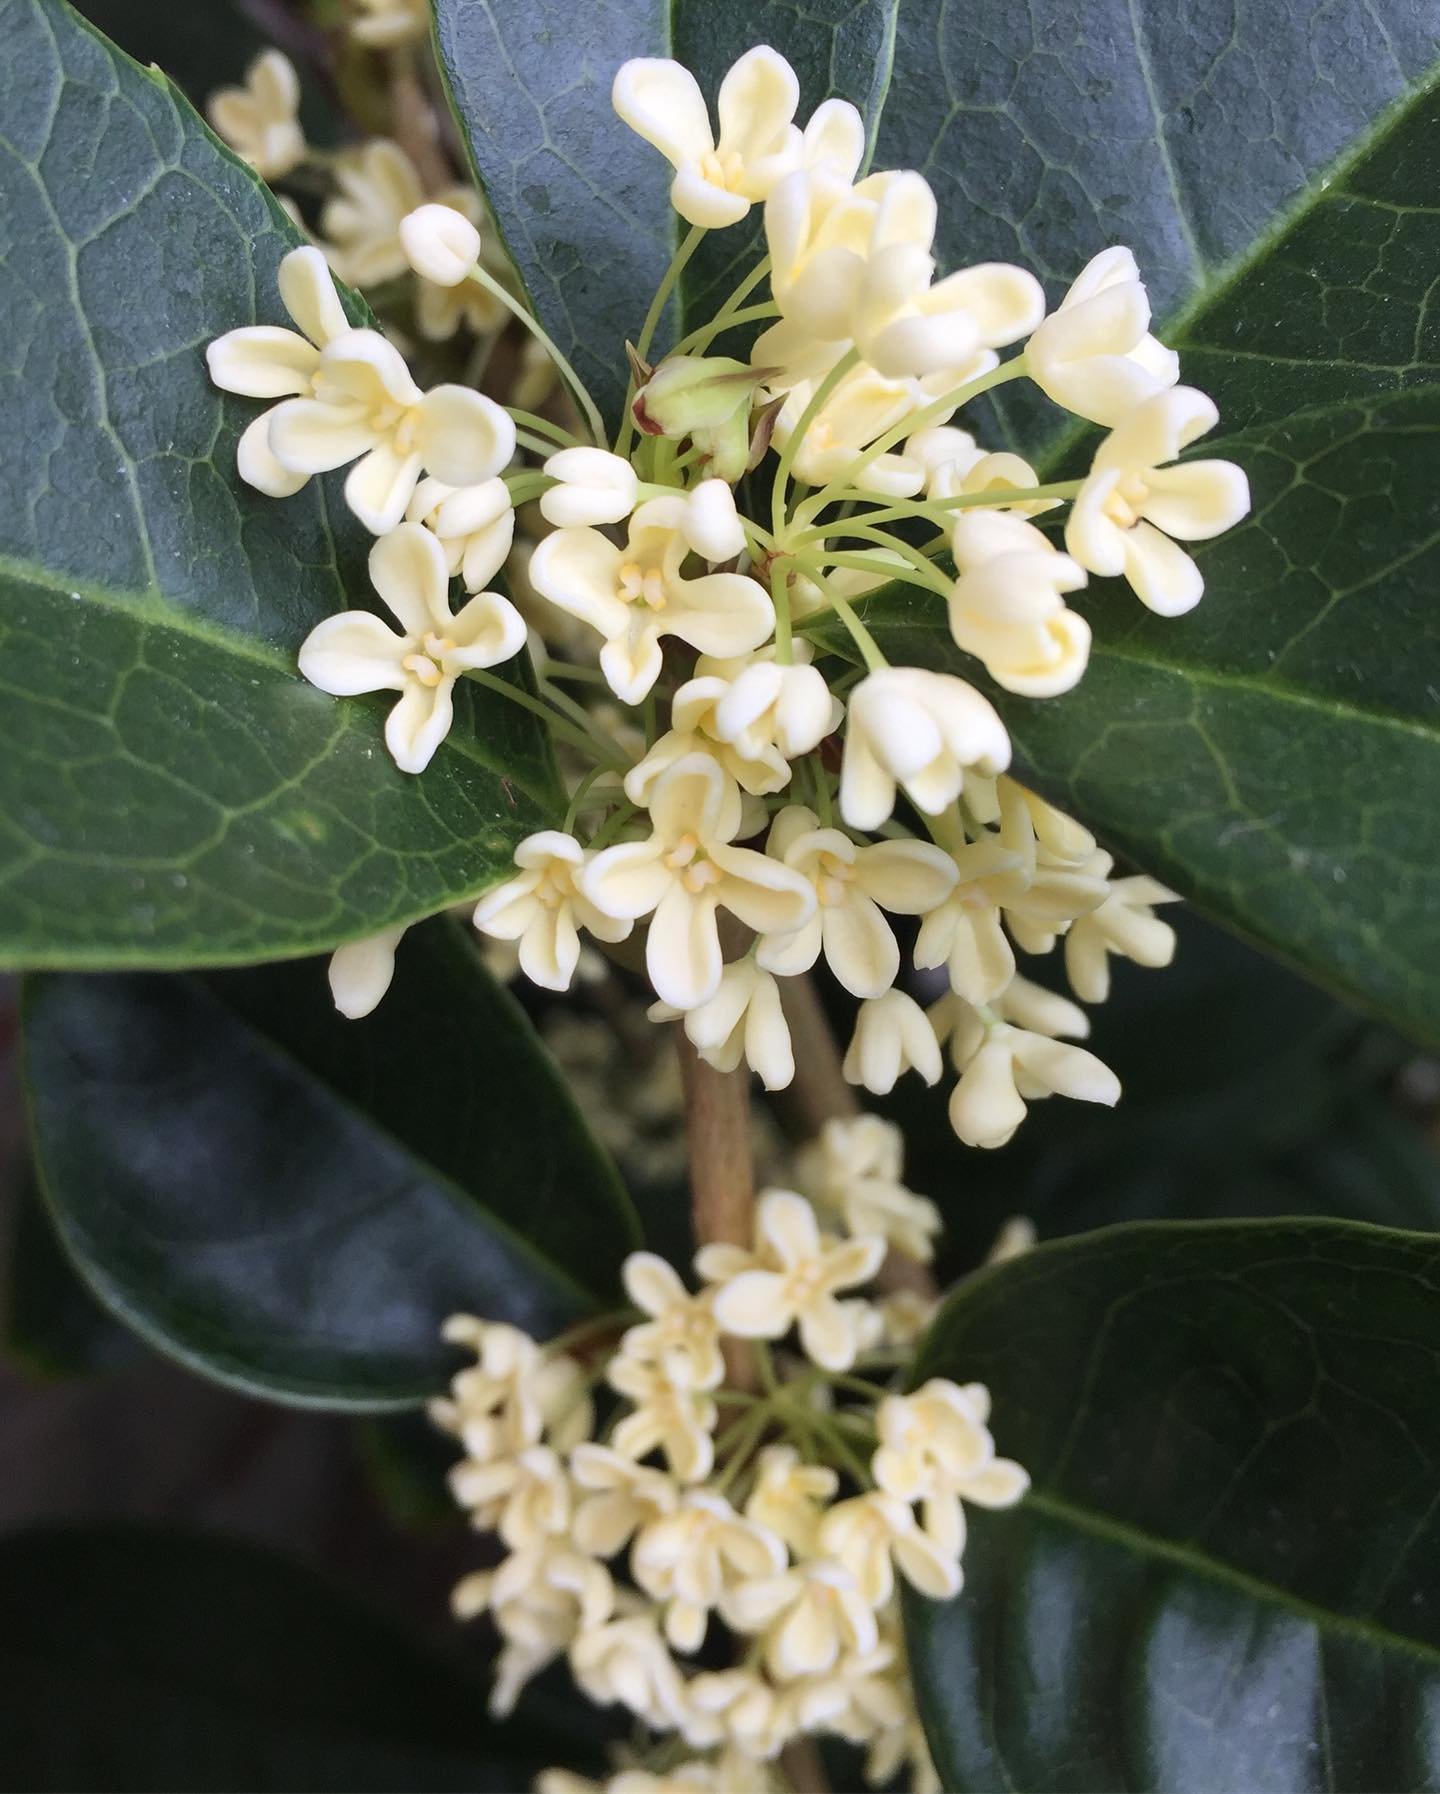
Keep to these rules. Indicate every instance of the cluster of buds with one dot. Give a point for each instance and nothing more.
(722, 1557)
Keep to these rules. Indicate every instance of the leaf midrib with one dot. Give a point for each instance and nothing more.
(152, 609)
(1213, 1569)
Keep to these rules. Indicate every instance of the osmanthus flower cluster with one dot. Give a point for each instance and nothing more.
(724, 1563)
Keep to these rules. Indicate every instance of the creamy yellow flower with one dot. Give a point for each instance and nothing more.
(1007, 609)
(636, 595)
(543, 909)
(475, 525)
(627, 1661)
(685, 873)
(796, 1284)
(260, 120)
(935, 1448)
(956, 466)
(1094, 354)
(854, 1170)
(358, 652)
(716, 182)
(863, 405)
(790, 1497)
(811, 1616)
(514, 1396)
(593, 486)
(682, 1335)
(874, 1534)
(361, 405)
(384, 23)
(265, 361)
(1132, 503)
(540, 1598)
(851, 884)
(526, 1499)
(742, 1022)
(920, 730)
(688, 1559)
(440, 242)
(619, 1497)
(1004, 1066)
(1125, 923)
(892, 1035)
(668, 1417)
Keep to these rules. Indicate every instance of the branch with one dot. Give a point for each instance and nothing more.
(722, 1168)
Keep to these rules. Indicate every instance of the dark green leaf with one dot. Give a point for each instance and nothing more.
(294, 1203)
(172, 792)
(53, 1326)
(581, 201)
(140, 1660)
(1225, 1576)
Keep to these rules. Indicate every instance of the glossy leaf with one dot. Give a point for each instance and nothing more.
(138, 1659)
(1224, 1576)
(293, 1203)
(171, 792)
(1272, 754)
(581, 201)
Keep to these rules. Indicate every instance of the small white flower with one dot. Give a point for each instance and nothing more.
(862, 406)
(593, 486)
(364, 407)
(851, 883)
(627, 1661)
(636, 595)
(919, 730)
(541, 1597)
(260, 120)
(620, 1497)
(964, 934)
(685, 873)
(360, 972)
(357, 652)
(853, 1169)
(874, 1534)
(526, 1499)
(1008, 1065)
(796, 1283)
(264, 361)
(544, 909)
(1132, 503)
(668, 1417)
(741, 1708)
(1125, 923)
(514, 1396)
(682, 1334)
(715, 182)
(935, 1448)
(956, 466)
(384, 23)
(892, 1035)
(811, 1616)
(440, 244)
(475, 525)
(688, 1559)
(904, 325)
(743, 1021)
(1094, 354)
(1006, 606)
(789, 1497)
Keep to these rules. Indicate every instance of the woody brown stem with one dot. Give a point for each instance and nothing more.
(722, 1169)
(820, 1093)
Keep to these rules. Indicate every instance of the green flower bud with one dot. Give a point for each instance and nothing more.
(707, 398)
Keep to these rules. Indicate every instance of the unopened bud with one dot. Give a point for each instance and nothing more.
(440, 244)
(708, 399)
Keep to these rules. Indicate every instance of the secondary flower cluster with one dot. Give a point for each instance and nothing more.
(773, 790)
(723, 1561)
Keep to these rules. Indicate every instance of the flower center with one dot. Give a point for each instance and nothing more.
(833, 878)
(725, 171)
(642, 585)
(687, 859)
(429, 666)
(1124, 504)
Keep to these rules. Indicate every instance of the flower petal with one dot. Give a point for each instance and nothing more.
(351, 653)
(720, 613)
(262, 361)
(380, 485)
(662, 102)
(308, 292)
(463, 437)
(1164, 577)
(407, 569)
(752, 1306)
(627, 881)
(257, 466)
(579, 569)
(418, 724)
(310, 436)
(682, 953)
(488, 630)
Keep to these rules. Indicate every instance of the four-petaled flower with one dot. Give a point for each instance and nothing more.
(544, 909)
(357, 652)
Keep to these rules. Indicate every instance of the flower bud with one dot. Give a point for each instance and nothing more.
(440, 244)
(595, 487)
(708, 399)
